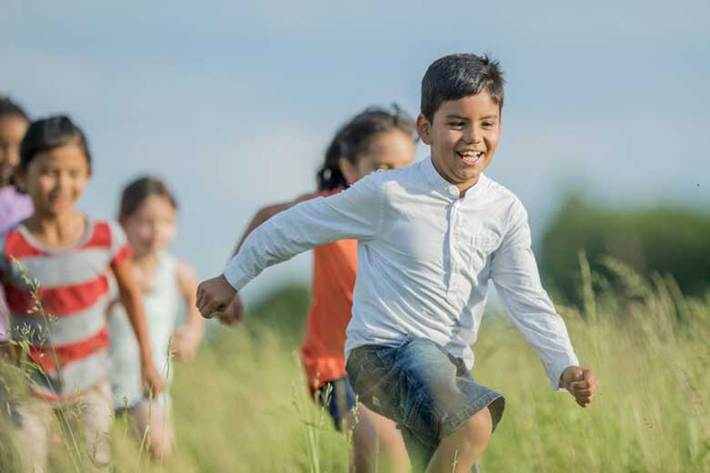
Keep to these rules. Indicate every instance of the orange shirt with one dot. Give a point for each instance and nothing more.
(334, 270)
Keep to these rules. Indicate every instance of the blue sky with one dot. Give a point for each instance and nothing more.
(233, 103)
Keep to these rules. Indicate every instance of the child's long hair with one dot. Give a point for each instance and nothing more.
(49, 133)
(353, 140)
(135, 193)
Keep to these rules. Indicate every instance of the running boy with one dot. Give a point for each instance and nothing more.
(431, 237)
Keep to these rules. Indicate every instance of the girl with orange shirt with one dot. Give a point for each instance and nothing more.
(372, 140)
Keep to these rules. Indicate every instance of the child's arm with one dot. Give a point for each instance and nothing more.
(233, 313)
(131, 299)
(516, 277)
(189, 335)
(355, 213)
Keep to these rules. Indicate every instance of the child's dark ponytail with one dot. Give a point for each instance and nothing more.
(353, 140)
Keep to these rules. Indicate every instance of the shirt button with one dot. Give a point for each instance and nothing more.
(453, 191)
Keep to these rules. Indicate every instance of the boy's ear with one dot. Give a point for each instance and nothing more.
(424, 129)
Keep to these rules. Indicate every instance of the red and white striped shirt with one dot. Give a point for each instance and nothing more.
(66, 332)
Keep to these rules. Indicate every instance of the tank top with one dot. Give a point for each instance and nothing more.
(162, 305)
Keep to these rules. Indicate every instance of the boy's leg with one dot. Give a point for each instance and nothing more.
(96, 417)
(377, 443)
(458, 451)
(443, 404)
(427, 392)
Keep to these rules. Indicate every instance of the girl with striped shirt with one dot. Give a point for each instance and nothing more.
(55, 268)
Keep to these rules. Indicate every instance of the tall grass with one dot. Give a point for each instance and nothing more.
(242, 405)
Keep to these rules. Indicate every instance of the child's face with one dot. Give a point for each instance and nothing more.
(151, 227)
(390, 150)
(55, 179)
(463, 137)
(12, 129)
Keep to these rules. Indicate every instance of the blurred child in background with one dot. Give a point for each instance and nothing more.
(14, 205)
(55, 269)
(168, 286)
(374, 139)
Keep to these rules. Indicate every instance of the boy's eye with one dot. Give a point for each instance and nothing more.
(457, 124)
(488, 124)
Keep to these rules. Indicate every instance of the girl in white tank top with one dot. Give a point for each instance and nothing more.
(174, 325)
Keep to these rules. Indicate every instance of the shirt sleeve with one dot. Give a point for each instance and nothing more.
(515, 275)
(352, 214)
(119, 250)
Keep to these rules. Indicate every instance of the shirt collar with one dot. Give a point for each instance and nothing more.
(445, 187)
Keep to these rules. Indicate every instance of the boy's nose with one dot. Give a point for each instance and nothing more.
(471, 136)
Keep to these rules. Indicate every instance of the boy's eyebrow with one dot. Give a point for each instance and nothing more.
(461, 117)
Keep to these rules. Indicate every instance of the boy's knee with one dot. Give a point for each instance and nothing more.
(477, 429)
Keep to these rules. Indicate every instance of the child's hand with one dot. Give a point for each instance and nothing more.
(185, 343)
(214, 295)
(581, 383)
(232, 314)
(152, 381)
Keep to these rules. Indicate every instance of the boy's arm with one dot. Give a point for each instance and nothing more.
(516, 277)
(131, 299)
(233, 313)
(265, 213)
(189, 335)
(355, 213)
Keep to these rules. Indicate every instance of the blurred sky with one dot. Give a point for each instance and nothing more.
(233, 102)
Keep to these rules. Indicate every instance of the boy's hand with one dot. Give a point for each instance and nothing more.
(581, 383)
(152, 381)
(232, 314)
(214, 295)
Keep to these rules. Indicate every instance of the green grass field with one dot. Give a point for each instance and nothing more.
(242, 405)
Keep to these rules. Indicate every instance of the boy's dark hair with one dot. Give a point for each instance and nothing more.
(135, 193)
(353, 140)
(8, 107)
(49, 133)
(460, 75)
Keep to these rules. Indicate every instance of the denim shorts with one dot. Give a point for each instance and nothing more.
(425, 390)
(338, 397)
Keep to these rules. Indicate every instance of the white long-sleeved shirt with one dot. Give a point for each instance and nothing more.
(425, 257)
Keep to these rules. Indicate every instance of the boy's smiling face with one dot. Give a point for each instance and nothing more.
(463, 136)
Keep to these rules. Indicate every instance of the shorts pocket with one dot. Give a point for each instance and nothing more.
(419, 417)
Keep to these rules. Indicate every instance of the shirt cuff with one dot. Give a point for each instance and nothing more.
(555, 370)
(235, 276)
